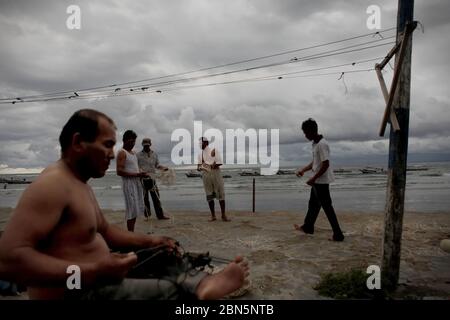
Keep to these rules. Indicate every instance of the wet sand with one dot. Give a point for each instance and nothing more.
(286, 264)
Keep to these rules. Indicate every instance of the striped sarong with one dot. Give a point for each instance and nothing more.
(134, 197)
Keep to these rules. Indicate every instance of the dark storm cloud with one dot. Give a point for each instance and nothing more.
(123, 41)
(432, 13)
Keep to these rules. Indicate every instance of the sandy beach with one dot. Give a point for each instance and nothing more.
(287, 265)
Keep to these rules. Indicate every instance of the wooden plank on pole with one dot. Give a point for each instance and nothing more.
(397, 71)
(390, 55)
(393, 117)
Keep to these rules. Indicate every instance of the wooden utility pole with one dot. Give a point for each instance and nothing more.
(398, 151)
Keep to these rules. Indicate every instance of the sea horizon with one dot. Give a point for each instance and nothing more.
(337, 165)
(426, 190)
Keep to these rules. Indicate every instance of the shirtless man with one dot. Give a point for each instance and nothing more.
(58, 223)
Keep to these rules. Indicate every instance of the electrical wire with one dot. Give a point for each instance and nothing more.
(307, 58)
(76, 93)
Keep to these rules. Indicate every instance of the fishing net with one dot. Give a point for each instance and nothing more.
(167, 177)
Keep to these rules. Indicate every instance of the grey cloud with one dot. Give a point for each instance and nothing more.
(380, 146)
(432, 13)
(131, 40)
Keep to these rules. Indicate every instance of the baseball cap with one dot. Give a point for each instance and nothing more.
(146, 142)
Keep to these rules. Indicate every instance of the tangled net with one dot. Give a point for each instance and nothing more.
(167, 177)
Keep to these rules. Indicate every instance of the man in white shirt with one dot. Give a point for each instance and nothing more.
(319, 182)
(209, 162)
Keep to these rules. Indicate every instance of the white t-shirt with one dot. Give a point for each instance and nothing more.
(321, 152)
(206, 157)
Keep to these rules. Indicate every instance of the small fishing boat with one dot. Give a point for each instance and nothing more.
(340, 170)
(282, 172)
(370, 170)
(193, 174)
(249, 173)
(14, 181)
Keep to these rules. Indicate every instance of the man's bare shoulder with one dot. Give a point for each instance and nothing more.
(46, 197)
(55, 173)
(121, 153)
(55, 181)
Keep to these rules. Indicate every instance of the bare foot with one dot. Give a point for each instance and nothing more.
(225, 282)
(224, 218)
(300, 228)
(212, 219)
(339, 238)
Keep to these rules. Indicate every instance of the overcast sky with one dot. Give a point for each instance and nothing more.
(121, 41)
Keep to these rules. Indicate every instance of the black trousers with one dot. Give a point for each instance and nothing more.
(320, 198)
(151, 187)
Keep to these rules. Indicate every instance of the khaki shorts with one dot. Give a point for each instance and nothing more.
(213, 183)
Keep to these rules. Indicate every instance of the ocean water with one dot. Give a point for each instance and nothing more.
(426, 191)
